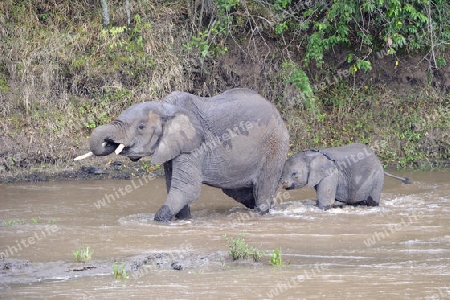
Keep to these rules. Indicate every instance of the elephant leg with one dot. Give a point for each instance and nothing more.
(185, 212)
(168, 174)
(264, 191)
(177, 203)
(266, 186)
(375, 194)
(243, 195)
(185, 188)
(263, 197)
(326, 192)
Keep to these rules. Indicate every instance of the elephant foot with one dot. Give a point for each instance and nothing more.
(371, 202)
(164, 214)
(339, 204)
(263, 209)
(185, 213)
(323, 207)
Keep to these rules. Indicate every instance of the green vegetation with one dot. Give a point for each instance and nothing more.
(36, 220)
(276, 258)
(210, 42)
(119, 271)
(256, 254)
(339, 71)
(238, 248)
(33, 221)
(397, 26)
(397, 128)
(83, 254)
(54, 221)
(14, 222)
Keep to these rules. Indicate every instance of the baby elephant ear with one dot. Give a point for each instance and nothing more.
(181, 134)
(320, 168)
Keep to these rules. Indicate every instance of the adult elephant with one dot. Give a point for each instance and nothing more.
(351, 174)
(235, 141)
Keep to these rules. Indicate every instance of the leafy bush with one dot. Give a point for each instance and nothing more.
(368, 27)
(411, 25)
(238, 248)
(209, 42)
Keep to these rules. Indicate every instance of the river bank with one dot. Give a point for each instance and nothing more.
(62, 75)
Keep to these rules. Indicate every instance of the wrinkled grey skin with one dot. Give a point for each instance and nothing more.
(351, 174)
(235, 141)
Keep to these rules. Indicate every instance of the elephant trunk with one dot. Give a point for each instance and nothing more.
(103, 140)
(286, 184)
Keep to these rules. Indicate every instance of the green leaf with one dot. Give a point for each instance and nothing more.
(350, 57)
(441, 62)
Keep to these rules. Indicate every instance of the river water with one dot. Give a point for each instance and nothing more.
(399, 250)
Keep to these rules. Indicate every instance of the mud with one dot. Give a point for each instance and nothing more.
(121, 168)
(20, 271)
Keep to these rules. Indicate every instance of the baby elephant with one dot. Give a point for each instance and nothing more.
(351, 174)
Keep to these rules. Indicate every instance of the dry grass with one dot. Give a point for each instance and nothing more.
(60, 72)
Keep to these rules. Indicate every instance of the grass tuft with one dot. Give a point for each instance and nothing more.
(83, 254)
(119, 271)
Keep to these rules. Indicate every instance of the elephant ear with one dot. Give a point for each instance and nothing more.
(182, 133)
(319, 168)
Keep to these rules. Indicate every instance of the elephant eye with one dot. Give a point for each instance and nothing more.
(141, 126)
(294, 174)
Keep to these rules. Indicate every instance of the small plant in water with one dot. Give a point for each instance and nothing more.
(36, 220)
(9, 222)
(256, 253)
(54, 221)
(119, 271)
(275, 258)
(13, 222)
(238, 248)
(83, 254)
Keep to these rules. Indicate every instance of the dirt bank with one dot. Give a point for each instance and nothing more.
(61, 75)
(94, 169)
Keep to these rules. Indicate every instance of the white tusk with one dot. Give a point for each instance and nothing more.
(89, 154)
(104, 144)
(119, 149)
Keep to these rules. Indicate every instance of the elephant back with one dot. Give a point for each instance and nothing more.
(353, 157)
(234, 114)
(225, 111)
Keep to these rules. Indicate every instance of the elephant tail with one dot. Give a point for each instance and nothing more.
(405, 180)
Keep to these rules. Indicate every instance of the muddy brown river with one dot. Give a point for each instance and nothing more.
(399, 250)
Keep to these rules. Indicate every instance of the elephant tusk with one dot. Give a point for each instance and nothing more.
(119, 149)
(104, 144)
(89, 154)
